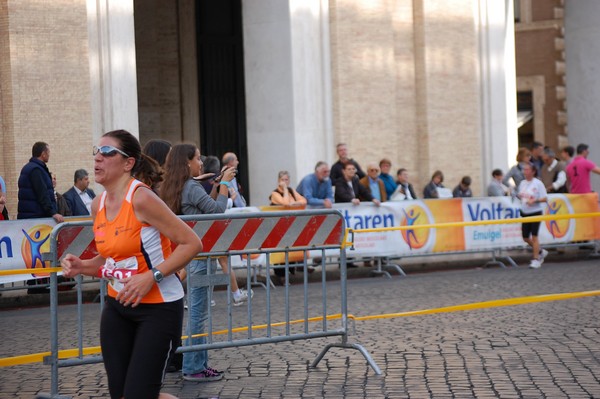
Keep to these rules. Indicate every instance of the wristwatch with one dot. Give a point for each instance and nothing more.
(158, 276)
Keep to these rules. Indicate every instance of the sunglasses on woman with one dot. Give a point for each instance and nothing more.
(108, 151)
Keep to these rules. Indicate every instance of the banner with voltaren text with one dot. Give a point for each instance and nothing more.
(22, 242)
(414, 241)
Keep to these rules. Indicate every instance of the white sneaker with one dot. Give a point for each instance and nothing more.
(535, 264)
(212, 302)
(242, 297)
(542, 256)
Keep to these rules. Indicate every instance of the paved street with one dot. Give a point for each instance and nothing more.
(540, 350)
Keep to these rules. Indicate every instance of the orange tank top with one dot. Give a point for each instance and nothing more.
(130, 246)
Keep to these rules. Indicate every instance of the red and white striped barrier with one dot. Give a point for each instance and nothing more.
(219, 234)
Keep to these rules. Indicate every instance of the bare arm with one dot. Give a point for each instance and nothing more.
(73, 265)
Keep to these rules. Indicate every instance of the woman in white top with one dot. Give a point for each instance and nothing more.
(532, 193)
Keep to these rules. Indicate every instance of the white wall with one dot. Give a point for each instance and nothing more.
(583, 76)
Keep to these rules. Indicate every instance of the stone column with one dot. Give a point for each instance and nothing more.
(497, 77)
(112, 66)
(583, 82)
(288, 111)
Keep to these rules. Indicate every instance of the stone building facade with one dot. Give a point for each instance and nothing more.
(541, 71)
(429, 85)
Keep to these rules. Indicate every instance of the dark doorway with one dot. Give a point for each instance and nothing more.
(525, 118)
(221, 82)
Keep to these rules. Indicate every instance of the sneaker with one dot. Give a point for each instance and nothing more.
(212, 302)
(206, 375)
(535, 264)
(542, 256)
(243, 297)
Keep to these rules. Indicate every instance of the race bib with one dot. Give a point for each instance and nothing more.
(114, 272)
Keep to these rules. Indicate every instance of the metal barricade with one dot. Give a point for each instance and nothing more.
(319, 310)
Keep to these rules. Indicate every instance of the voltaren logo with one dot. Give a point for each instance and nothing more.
(35, 242)
(558, 228)
(412, 216)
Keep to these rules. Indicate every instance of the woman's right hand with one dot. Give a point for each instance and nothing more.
(71, 265)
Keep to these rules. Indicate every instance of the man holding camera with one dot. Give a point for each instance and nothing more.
(231, 160)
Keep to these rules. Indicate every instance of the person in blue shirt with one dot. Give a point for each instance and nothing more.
(385, 165)
(316, 187)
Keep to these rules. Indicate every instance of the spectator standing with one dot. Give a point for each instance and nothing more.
(373, 183)
(210, 178)
(211, 169)
(337, 173)
(385, 165)
(431, 189)
(3, 210)
(158, 150)
(553, 173)
(80, 196)
(404, 190)
(143, 312)
(316, 187)
(566, 154)
(185, 196)
(37, 198)
(516, 172)
(230, 160)
(496, 188)
(36, 193)
(284, 194)
(537, 149)
(532, 193)
(350, 190)
(61, 203)
(463, 189)
(579, 171)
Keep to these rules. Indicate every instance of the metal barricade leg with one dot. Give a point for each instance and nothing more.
(344, 344)
(494, 261)
(52, 360)
(379, 270)
(358, 347)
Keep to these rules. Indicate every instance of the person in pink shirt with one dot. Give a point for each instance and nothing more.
(578, 171)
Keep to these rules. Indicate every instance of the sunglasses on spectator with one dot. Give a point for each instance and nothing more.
(373, 170)
(108, 151)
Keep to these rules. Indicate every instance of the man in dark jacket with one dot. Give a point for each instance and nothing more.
(337, 169)
(36, 194)
(36, 198)
(80, 196)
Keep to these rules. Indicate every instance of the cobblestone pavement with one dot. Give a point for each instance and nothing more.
(540, 350)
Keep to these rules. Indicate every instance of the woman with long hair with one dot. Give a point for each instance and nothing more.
(133, 230)
(185, 196)
(431, 189)
(516, 172)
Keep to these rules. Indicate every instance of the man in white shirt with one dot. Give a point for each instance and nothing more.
(80, 196)
(231, 160)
